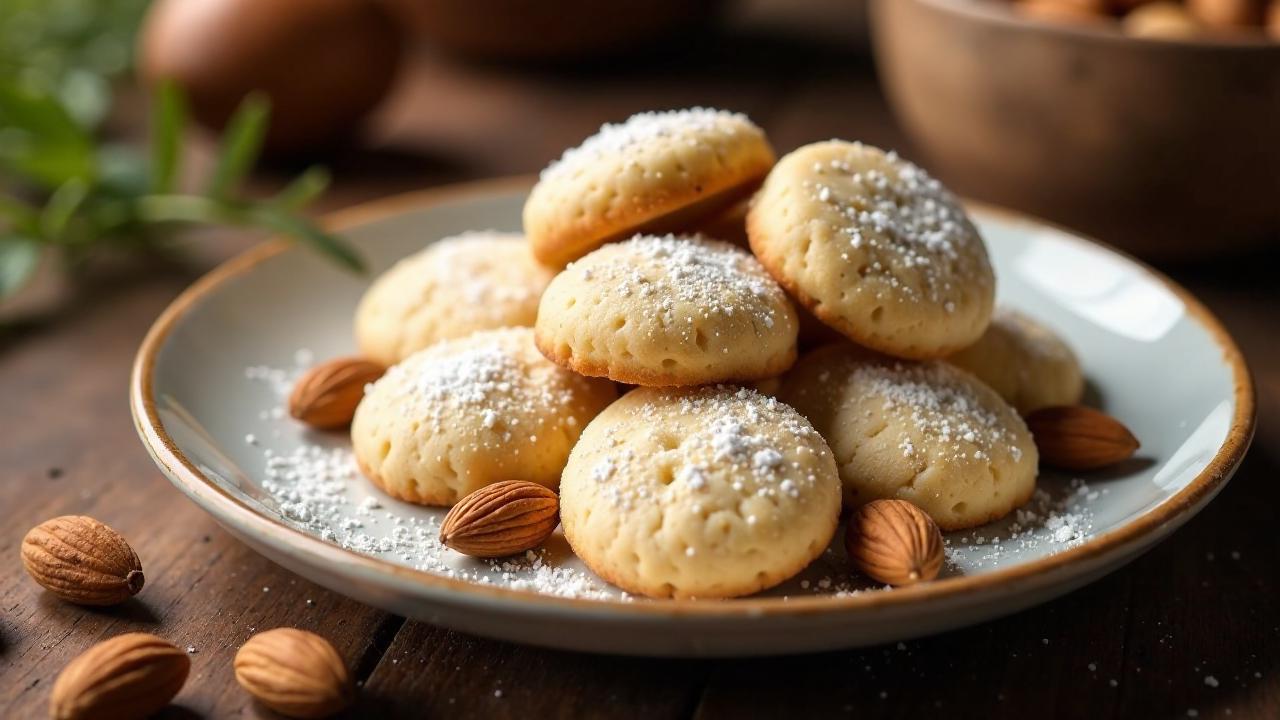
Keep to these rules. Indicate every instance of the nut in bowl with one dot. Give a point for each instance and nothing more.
(701, 516)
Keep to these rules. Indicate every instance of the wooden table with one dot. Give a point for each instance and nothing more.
(1192, 627)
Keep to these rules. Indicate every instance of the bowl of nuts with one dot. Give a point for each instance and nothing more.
(1150, 125)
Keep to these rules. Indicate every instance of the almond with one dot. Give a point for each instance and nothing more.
(1160, 20)
(326, 396)
(128, 676)
(1076, 437)
(894, 542)
(294, 672)
(82, 561)
(1064, 11)
(501, 519)
(1228, 14)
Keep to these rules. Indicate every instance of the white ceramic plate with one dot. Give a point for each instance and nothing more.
(206, 398)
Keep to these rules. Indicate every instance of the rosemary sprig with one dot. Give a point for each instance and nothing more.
(59, 188)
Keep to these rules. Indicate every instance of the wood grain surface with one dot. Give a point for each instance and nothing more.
(1190, 629)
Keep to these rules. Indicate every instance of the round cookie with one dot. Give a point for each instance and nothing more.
(1027, 363)
(657, 172)
(469, 412)
(663, 311)
(454, 287)
(875, 247)
(699, 492)
(927, 432)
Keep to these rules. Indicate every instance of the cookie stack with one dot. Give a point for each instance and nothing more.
(723, 473)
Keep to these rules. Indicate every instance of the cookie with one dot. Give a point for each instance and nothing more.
(663, 311)
(875, 247)
(454, 287)
(705, 492)
(926, 432)
(466, 413)
(657, 172)
(1027, 363)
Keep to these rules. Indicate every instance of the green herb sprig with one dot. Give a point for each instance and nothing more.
(61, 188)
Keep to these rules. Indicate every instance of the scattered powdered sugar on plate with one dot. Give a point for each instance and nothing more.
(1058, 517)
(311, 480)
(316, 487)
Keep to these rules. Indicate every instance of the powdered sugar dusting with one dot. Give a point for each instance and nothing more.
(900, 219)
(486, 375)
(455, 263)
(633, 136)
(738, 431)
(316, 487)
(684, 278)
(312, 480)
(941, 408)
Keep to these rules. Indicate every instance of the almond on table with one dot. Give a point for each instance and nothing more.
(129, 676)
(82, 561)
(295, 673)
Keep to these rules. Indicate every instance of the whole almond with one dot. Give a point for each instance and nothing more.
(129, 676)
(294, 672)
(501, 519)
(894, 542)
(82, 561)
(1076, 437)
(326, 396)
(1063, 11)
(1160, 20)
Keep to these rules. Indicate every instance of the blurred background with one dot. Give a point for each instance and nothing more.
(141, 142)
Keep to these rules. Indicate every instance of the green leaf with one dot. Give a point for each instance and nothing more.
(39, 140)
(275, 218)
(241, 143)
(189, 209)
(304, 189)
(122, 170)
(85, 95)
(62, 204)
(168, 119)
(268, 216)
(19, 258)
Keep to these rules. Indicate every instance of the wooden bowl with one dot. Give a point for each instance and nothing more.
(1170, 149)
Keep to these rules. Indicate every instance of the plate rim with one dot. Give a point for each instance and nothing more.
(183, 473)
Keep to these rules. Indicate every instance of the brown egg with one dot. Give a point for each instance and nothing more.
(323, 63)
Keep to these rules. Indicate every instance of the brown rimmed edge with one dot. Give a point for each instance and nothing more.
(181, 469)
